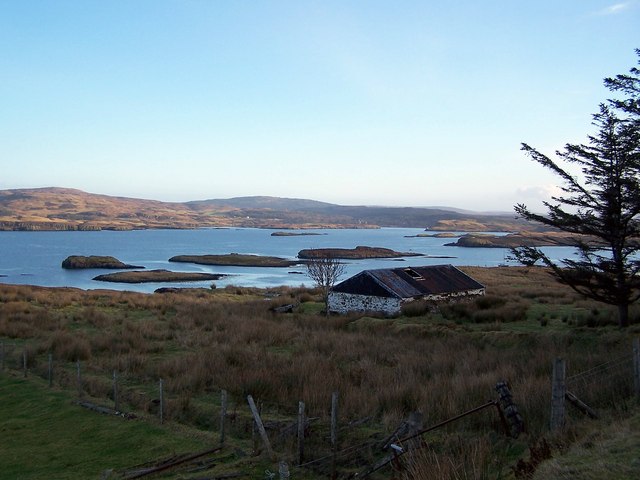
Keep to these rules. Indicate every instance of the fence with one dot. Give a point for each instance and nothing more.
(609, 383)
(311, 440)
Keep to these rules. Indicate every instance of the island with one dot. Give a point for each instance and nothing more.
(235, 260)
(513, 240)
(358, 253)
(95, 261)
(434, 235)
(147, 276)
(295, 234)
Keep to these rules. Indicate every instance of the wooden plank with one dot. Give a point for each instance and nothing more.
(259, 424)
(580, 405)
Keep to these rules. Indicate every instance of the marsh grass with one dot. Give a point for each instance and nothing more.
(439, 362)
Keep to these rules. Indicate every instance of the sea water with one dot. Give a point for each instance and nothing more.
(35, 258)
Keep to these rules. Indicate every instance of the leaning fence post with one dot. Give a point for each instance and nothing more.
(223, 414)
(636, 366)
(334, 432)
(301, 422)
(558, 391)
(259, 424)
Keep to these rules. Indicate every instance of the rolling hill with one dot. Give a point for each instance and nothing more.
(70, 209)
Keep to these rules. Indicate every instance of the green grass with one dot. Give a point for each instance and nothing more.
(46, 435)
(610, 453)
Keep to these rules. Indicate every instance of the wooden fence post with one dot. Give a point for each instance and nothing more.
(116, 402)
(79, 378)
(258, 420)
(160, 387)
(636, 366)
(301, 422)
(334, 432)
(558, 391)
(223, 414)
(50, 370)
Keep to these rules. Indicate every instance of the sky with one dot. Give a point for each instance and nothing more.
(394, 103)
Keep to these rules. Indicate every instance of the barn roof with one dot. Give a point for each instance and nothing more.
(409, 282)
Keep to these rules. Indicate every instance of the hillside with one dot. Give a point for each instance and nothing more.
(70, 209)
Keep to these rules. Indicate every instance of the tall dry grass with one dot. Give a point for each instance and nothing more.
(441, 363)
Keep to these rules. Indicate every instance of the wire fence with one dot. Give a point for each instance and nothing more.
(313, 441)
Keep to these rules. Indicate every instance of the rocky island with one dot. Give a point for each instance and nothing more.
(358, 253)
(235, 260)
(147, 276)
(513, 240)
(95, 261)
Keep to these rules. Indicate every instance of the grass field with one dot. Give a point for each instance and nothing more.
(440, 362)
(45, 435)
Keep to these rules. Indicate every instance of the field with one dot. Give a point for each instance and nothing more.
(441, 363)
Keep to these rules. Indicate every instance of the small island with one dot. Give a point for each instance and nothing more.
(513, 240)
(95, 261)
(295, 234)
(357, 253)
(147, 276)
(235, 260)
(434, 235)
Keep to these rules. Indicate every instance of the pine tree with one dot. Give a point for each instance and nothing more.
(603, 207)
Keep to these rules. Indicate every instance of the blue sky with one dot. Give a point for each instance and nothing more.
(414, 103)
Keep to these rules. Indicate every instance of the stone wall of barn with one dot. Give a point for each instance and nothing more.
(348, 302)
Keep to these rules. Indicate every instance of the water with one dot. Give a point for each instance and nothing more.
(35, 258)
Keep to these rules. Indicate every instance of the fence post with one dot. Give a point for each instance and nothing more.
(79, 378)
(334, 432)
(1, 355)
(161, 402)
(558, 391)
(24, 362)
(636, 366)
(223, 414)
(301, 422)
(50, 370)
(259, 424)
(116, 402)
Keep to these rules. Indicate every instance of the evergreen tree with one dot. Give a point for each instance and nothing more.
(602, 208)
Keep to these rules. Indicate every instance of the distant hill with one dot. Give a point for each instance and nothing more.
(69, 209)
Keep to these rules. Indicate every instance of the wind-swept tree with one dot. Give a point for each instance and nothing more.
(602, 207)
(325, 272)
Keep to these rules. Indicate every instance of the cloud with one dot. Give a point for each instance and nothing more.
(538, 193)
(614, 9)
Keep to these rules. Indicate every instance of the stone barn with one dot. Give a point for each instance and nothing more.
(386, 290)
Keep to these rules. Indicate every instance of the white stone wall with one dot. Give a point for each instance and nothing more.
(349, 302)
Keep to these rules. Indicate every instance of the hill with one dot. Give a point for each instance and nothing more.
(69, 209)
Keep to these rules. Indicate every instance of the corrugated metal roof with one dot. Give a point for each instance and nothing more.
(409, 282)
